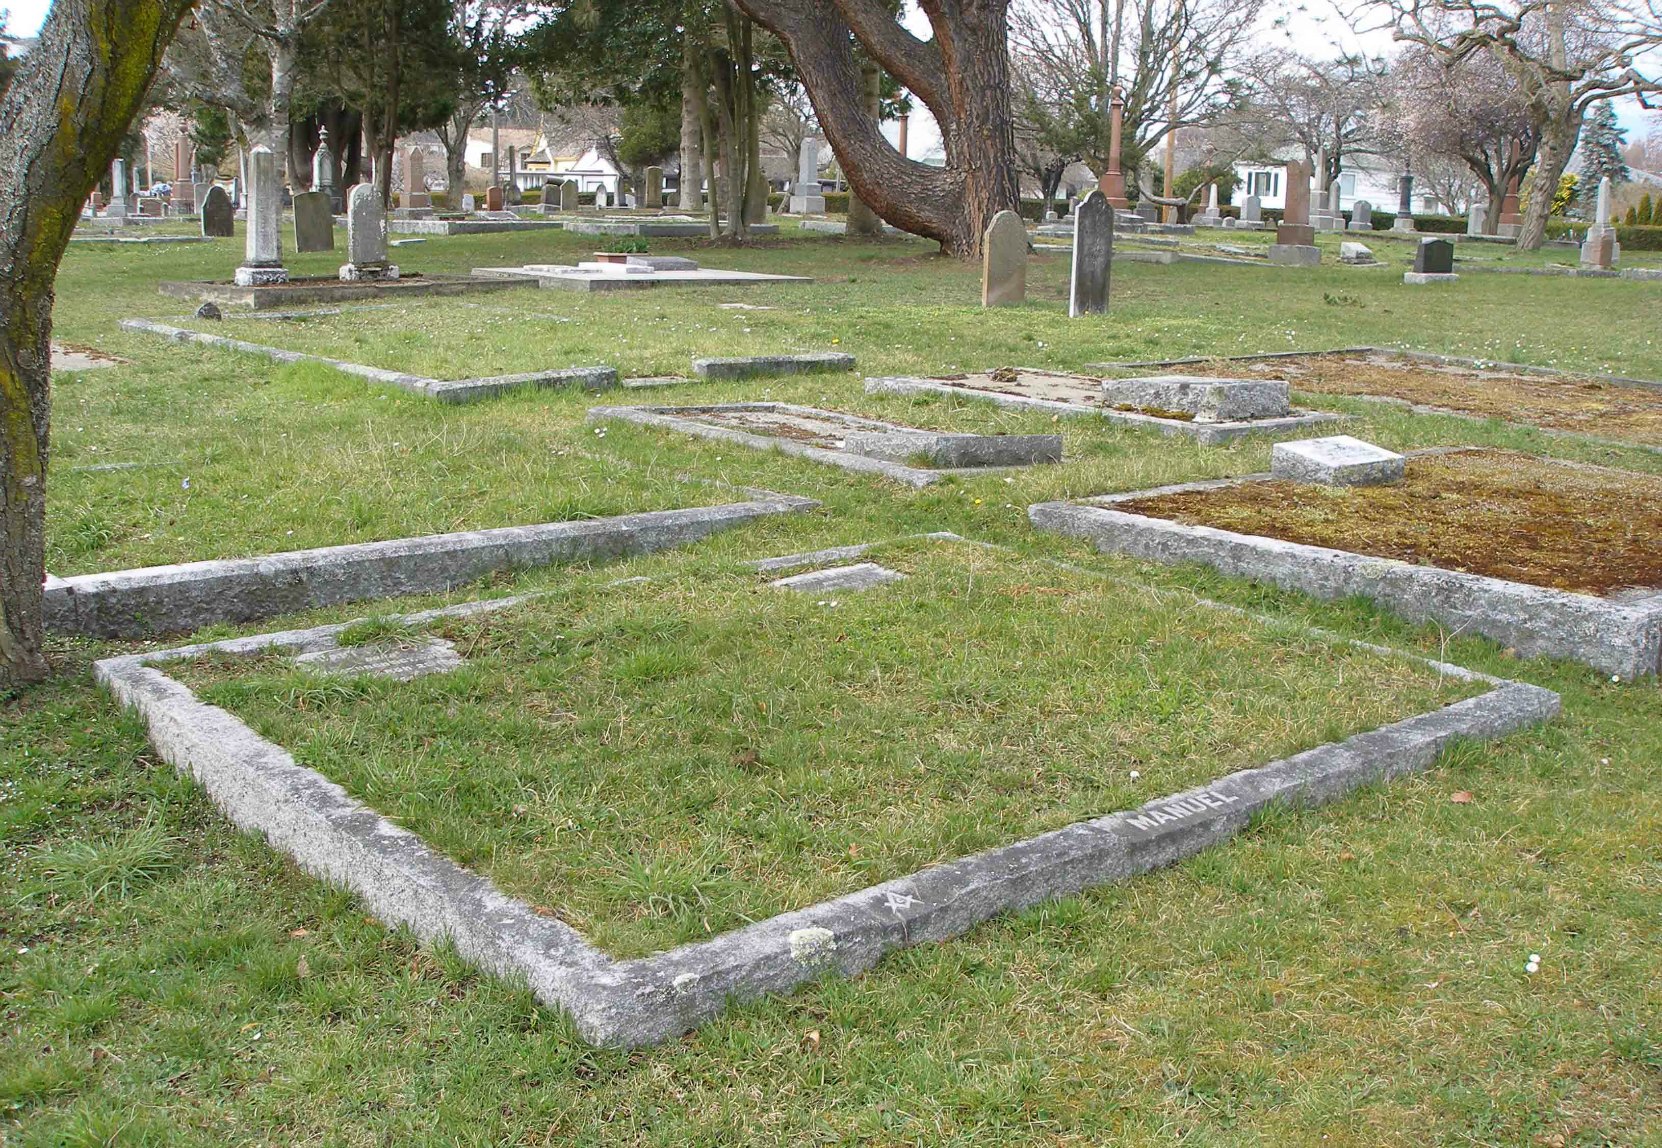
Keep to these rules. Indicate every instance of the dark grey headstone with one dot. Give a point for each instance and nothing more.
(551, 195)
(208, 311)
(1093, 251)
(314, 222)
(1434, 257)
(218, 217)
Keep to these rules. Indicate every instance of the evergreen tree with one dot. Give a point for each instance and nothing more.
(1601, 149)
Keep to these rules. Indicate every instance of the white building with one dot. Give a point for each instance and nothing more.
(1374, 181)
(535, 158)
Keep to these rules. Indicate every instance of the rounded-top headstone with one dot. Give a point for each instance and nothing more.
(1093, 251)
(1004, 261)
(218, 217)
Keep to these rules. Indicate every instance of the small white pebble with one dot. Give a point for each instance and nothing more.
(1532, 968)
(1534, 958)
(1135, 774)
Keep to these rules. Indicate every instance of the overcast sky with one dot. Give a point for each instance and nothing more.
(1312, 27)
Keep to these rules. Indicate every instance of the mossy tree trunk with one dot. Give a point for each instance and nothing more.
(64, 116)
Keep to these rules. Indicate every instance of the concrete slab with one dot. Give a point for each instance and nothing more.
(1338, 460)
(837, 579)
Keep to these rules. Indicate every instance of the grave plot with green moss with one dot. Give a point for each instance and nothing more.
(659, 761)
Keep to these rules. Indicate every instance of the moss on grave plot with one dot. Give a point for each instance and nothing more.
(658, 762)
(1568, 403)
(1499, 513)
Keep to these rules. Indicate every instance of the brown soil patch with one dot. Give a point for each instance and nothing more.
(1497, 513)
(1567, 403)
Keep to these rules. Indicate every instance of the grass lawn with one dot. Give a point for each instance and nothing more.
(1350, 976)
(667, 761)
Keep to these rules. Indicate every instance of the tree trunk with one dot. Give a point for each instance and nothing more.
(862, 220)
(961, 74)
(1558, 140)
(693, 87)
(65, 113)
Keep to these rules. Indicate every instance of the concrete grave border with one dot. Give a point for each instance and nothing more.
(1435, 360)
(630, 1003)
(1623, 639)
(672, 418)
(1206, 434)
(181, 598)
(771, 366)
(299, 292)
(1421, 356)
(457, 391)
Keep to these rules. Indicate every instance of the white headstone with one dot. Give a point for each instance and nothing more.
(263, 257)
(806, 197)
(118, 189)
(366, 236)
(323, 170)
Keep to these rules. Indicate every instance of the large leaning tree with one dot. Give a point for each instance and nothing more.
(962, 75)
(61, 120)
(1564, 55)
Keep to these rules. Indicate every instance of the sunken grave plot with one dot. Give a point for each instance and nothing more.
(650, 797)
(905, 454)
(1209, 409)
(1605, 407)
(1548, 557)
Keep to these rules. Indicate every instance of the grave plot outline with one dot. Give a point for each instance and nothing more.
(1432, 359)
(1620, 638)
(685, 420)
(648, 1000)
(1206, 434)
(445, 391)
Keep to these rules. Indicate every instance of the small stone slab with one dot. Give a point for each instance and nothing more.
(1424, 278)
(1207, 399)
(955, 450)
(1295, 255)
(762, 366)
(664, 262)
(1356, 254)
(402, 661)
(1337, 460)
(861, 576)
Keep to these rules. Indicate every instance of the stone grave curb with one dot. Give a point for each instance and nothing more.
(182, 598)
(646, 1001)
(296, 293)
(771, 366)
(1622, 639)
(457, 391)
(1422, 356)
(670, 419)
(1206, 434)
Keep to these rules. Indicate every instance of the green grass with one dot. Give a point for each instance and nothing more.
(1349, 976)
(666, 761)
